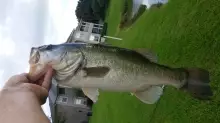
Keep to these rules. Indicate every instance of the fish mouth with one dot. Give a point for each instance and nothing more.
(36, 68)
(34, 56)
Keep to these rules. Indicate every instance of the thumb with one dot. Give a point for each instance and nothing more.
(47, 79)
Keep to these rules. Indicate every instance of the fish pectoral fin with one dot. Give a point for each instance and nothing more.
(91, 93)
(151, 95)
(97, 72)
(148, 54)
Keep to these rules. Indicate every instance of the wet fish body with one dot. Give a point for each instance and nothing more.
(96, 66)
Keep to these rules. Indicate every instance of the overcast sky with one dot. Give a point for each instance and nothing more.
(28, 23)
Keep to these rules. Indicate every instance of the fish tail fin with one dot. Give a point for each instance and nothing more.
(198, 83)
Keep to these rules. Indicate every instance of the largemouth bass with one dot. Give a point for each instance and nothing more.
(94, 66)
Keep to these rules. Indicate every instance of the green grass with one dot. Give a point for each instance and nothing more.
(184, 33)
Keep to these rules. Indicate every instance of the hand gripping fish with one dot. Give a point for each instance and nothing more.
(94, 66)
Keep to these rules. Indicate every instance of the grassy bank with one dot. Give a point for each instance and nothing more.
(183, 34)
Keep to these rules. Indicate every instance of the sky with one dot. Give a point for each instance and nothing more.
(30, 23)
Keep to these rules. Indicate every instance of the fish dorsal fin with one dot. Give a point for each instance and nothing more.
(148, 54)
(97, 72)
(91, 93)
(151, 95)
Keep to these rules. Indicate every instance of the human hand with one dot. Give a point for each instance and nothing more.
(36, 87)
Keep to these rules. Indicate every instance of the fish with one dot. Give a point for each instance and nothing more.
(94, 67)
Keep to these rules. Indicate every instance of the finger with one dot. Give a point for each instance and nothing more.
(37, 76)
(40, 81)
(47, 79)
(39, 91)
(22, 78)
(16, 79)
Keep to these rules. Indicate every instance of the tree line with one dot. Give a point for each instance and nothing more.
(91, 10)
